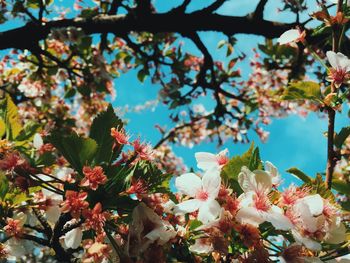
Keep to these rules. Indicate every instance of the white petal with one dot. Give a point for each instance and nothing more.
(73, 238)
(37, 141)
(188, 206)
(211, 182)
(309, 221)
(272, 170)
(307, 242)
(53, 196)
(206, 160)
(344, 62)
(246, 180)
(278, 220)
(263, 180)
(201, 247)
(246, 199)
(209, 211)
(314, 203)
(43, 177)
(188, 184)
(254, 181)
(338, 60)
(289, 36)
(162, 234)
(249, 215)
(332, 58)
(337, 233)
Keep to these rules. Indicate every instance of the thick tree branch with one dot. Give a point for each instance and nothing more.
(259, 10)
(154, 23)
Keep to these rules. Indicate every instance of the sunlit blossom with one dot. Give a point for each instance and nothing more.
(203, 191)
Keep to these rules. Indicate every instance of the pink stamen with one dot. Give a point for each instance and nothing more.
(202, 195)
(338, 75)
(262, 202)
(222, 159)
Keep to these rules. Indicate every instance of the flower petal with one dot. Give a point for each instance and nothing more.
(276, 217)
(188, 184)
(249, 215)
(289, 36)
(162, 234)
(201, 246)
(37, 141)
(246, 180)
(336, 233)
(206, 160)
(73, 238)
(188, 206)
(211, 182)
(307, 242)
(338, 60)
(209, 211)
(332, 59)
(314, 203)
(254, 181)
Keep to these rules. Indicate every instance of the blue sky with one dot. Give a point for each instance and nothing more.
(293, 141)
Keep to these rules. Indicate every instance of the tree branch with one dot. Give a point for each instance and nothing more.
(181, 8)
(259, 10)
(211, 8)
(154, 23)
(37, 240)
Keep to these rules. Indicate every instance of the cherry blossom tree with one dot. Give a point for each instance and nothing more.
(76, 186)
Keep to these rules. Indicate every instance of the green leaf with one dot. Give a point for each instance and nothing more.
(318, 186)
(9, 114)
(4, 185)
(345, 205)
(255, 161)
(77, 150)
(155, 179)
(141, 75)
(195, 224)
(341, 137)
(230, 172)
(16, 197)
(101, 133)
(341, 186)
(2, 128)
(28, 132)
(299, 174)
(35, 4)
(46, 159)
(221, 43)
(303, 90)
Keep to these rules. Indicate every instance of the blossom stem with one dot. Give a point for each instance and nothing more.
(331, 160)
(113, 243)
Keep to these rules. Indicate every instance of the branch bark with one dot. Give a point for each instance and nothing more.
(259, 10)
(331, 155)
(28, 36)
